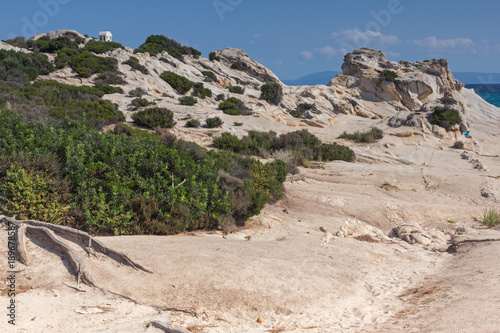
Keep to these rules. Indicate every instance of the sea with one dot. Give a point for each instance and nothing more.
(489, 92)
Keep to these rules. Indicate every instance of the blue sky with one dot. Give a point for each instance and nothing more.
(291, 37)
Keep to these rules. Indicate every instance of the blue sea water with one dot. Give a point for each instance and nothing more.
(489, 92)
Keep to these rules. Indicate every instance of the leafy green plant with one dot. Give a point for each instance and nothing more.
(458, 145)
(233, 106)
(271, 92)
(133, 62)
(213, 122)
(370, 136)
(188, 100)
(107, 89)
(193, 123)
(389, 75)
(239, 65)
(219, 97)
(200, 91)
(140, 102)
(47, 45)
(137, 92)
(445, 117)
(100, 47)
(158, 43)
(179, 83)
(301, 108)
(210, 76)
(235, 89)
(237, 123)
(491, 217)
(213, 56)
(154, 117)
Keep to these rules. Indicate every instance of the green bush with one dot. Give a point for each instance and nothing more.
(108, 78)
(107, 89)
(334, 151)
(85, 64)
(230, 142)
(210, 76)
(235, 89)
(200, 91)
(140, 102)
(188, 100)
(370, 136)
(445, 117)
(458, 145)
(18, 68)
(193, 123)
(219, 97)
(129, 184)
(389, 75)
(271, 92)
(237, 123)
(137, 92)
(154, 117)
(18, 41)
(491, 217)
(213, 56)
(48, 45)
(301, 108)
(179, 83)
(100, 47)
(239, 65)
(133, 62)
(214, 122)
(234, 107)
(158, 43)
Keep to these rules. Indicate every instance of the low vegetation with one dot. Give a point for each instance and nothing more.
(134, 63)
(85, 63)
(301, 109)
(214, 122)
(236, 89)
(154, 118)
(178, 82)
(370, 136)
(200, 91)
(304, 146)
(140, 102)
(389, 75)
(271, 92)
(193, 123)
(100, 47)
(188, 100)
(213, 56)
(445, 117)
(126, 183)
(458, 145)
(491, 217)
(234, 107)
(158, 43)
(209, 76)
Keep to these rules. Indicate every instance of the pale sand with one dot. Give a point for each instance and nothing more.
(284, 273)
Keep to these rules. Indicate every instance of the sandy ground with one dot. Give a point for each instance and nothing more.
(284, 268)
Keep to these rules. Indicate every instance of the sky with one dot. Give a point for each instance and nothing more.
(291, 37)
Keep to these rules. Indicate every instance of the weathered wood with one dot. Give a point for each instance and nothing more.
(76, 262)
(21, 244)
(167, 327)
(453, 248)
(83, 237)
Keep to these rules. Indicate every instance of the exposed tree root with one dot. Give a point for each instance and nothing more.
(453, 248)
(166, 327)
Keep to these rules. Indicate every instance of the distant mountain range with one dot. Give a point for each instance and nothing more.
(325, 77)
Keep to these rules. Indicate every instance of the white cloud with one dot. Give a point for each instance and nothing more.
(306, 55)
(355, 38)
(279, 62)
(328, 51)
(462, 44)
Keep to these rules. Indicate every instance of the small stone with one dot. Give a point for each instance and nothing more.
(260, 320)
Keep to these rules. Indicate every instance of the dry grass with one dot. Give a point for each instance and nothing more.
(389, 187)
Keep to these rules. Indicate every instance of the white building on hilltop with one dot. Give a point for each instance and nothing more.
(105, 36)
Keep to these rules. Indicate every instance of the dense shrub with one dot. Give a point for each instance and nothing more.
(370, 136)
(18, 41)
(134, 63)
(301, 108)
(445, 117)
(155, 117)
(234, 107)
(140, 102)
(213, 122)
(179, 83)
(389, 75)
(137, 92)
(48, 45)
(100, 47)
(458, 145)
(239, 65)
(271, 92)
(108, 78)
(193, 123)
(236, 89)
(18, 68)
(219, 97)
(237, 123)
(213, 56)
(200, 91)
(158, 43)
(125, 184)
(302, 145)
(188, 100)
(210, 76)
(491, 217)
(107, 89)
